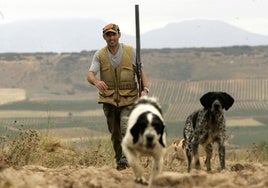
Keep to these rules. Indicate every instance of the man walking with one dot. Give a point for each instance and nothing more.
(117, 85)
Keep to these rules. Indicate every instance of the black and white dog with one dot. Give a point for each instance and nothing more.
(207, 126)
(146, 135)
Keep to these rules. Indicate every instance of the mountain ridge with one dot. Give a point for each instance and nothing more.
(203, 33)
(75, 35)
(65, 73)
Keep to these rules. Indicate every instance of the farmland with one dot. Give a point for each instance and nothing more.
(49, 91)
(8, 95)
(247, 120)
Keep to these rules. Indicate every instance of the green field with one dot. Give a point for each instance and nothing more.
(237, 135)
(178, 100)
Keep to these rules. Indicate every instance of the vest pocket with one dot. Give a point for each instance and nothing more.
(106, 93)
(127, 74)
(106, 74)
(128, 93)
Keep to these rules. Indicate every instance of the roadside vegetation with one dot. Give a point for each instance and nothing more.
(30, 147)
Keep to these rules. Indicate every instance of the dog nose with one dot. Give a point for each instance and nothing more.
(216, 106)
(149, 138)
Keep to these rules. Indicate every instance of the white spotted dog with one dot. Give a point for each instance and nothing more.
(206, 126)
(145, 136)
(176, 151)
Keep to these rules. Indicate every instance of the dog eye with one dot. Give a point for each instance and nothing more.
(158, 127)
(144, 122)
(156, 124)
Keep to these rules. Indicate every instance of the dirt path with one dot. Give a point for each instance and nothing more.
(252, 175)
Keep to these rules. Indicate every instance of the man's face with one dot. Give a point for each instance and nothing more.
(112, 39)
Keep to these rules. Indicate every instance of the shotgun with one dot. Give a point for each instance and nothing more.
(138, 48)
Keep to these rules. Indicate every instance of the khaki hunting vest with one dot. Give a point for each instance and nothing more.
(122, 86)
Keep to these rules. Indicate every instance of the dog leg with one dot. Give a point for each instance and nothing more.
(189, 157)
(157, 167)
(133, 161)
(172, 157)
(222, 156)
(195, 155)
(208, 149)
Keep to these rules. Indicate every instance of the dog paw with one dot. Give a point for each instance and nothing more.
(141, 181)
(237, 167)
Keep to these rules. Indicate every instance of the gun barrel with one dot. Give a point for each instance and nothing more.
(138, 47)
(137, 19)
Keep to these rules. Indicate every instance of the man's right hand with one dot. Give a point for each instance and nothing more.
(101, 85)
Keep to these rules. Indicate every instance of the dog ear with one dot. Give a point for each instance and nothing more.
(206, 100)
(163, 136)
(228, 100)
(160, 128)
(135, 131)
(183, 144)
(161, 140)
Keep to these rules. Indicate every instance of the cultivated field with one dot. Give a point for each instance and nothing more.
(65, 143)
(248, 116)
(54, 134)
(8, 95)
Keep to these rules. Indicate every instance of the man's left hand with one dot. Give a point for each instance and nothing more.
(144, 92)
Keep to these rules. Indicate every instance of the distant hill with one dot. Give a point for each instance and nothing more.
(65, 73)
(75, 35)
(200, 33)
(71, 35)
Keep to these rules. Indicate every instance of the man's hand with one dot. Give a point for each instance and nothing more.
(101, 85)
(144, 92)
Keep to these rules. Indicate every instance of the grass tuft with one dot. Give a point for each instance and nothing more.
(30, 147)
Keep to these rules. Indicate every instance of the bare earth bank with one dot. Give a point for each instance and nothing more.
(253, 175)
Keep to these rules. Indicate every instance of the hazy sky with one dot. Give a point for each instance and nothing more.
(251, 15)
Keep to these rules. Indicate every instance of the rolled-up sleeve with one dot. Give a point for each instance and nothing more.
(95, 64)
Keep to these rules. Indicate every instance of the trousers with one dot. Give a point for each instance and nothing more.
(116, 118)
